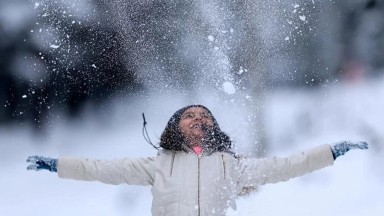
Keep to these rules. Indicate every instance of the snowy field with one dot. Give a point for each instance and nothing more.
(296, 120)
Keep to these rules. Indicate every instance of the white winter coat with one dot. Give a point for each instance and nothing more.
(184, 184)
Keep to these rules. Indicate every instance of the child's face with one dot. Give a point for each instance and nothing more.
(192, 122)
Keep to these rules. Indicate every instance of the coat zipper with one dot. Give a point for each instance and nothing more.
(223, 159)
(198, 186)
(172, 162)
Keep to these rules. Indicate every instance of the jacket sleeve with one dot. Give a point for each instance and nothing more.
(255, 172)
(130, 171)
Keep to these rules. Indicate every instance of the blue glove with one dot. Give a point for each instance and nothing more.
(40, 163)
(342, 147)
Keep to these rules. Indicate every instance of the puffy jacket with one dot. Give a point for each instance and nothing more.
(184, 184)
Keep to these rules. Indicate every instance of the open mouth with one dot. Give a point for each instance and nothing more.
(202, 127)
(196, 126)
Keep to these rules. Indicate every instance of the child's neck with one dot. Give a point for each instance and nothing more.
(197, 149)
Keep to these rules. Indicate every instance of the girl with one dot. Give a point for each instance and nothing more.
(195, 171)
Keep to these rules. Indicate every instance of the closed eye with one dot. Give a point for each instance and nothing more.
(188, 115)
(205, 115)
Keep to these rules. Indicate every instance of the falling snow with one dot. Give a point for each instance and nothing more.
(54, 46)
(168, 53)
(229, 88)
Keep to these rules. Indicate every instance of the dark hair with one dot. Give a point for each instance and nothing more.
(172, 138)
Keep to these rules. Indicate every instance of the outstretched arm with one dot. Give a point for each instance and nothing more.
(276, 169)
(271, 170)
(137, 171)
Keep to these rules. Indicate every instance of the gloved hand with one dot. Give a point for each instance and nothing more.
(342, 147)
(40, 163)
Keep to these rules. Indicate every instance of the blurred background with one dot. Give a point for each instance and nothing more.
(280, 77)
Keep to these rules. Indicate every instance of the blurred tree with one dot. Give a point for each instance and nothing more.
(65, 62)
(361, 33)
(370, 4)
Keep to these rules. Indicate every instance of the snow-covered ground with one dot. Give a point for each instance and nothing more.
(296, 120)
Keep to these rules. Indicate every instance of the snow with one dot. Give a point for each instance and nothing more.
(241, 71)
(229, 88)
(211, 38)
(53, 46)
(296, 120)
